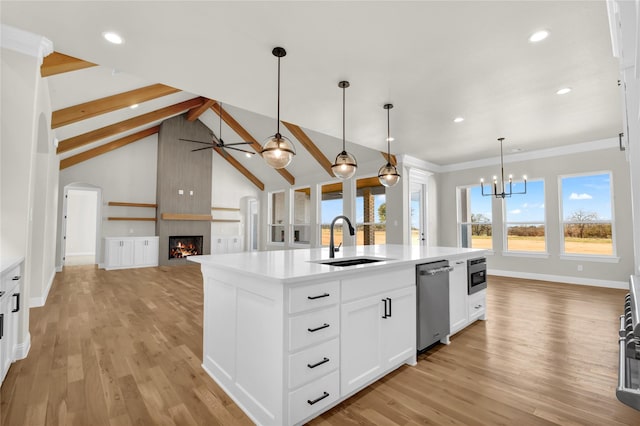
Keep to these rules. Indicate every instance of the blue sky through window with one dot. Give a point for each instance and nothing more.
(527, 207)
(590, 193)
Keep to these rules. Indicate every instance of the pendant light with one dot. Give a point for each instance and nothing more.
(345, 165)
(277, 150)
(388, 174)
(503, 189)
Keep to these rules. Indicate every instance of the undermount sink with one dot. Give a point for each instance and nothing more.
(351, 262)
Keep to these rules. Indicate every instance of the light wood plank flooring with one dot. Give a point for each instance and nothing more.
(125, 347)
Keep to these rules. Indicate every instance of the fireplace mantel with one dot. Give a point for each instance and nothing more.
(186, 216)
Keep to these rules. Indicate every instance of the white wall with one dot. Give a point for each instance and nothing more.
(597, 273)
(127, 174)
(81, 222)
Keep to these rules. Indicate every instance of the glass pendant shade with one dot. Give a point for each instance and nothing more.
(388, 175)
(278, 151)
(345, 165)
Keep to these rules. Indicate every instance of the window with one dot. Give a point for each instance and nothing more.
(302, 215)
(276, 217)
(587, 214)
(370, 212)
(525, 218)
(330, 207)
(474, 218)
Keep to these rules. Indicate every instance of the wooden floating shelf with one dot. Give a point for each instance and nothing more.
(181, 216)
(122, 204)
(225, 220)
(150, 219)
(228, 209)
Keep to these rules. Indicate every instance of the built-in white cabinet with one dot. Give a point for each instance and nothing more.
(458, 313)
(226, 244)
(130, 252)
(11, 287)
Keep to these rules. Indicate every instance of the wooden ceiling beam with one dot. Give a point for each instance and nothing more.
(306, 141)
(195, 113)
(73, 114)
(239, 167)
(392, 159)
(246, 136)
(119, 143)
(126, 125)
(57, 63)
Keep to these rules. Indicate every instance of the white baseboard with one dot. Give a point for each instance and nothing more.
(36, 302)
(21, 350)
(59, 268)
(624, 285)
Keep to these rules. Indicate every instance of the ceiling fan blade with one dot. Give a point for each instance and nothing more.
(191, 140)
(238, 149)
(238, 143)
(200, 149)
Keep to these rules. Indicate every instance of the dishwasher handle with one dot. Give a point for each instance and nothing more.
(436, 271)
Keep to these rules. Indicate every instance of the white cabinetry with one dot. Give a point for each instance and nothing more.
(9, 317)
(226, 244)
(458, 315)
(379, 329)
(130, 252)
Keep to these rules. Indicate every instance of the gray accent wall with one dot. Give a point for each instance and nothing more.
(181, 169)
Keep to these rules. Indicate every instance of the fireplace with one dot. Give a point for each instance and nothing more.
(183, 246)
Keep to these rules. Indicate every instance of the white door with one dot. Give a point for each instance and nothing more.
(360, 351)
(399, 340)
(80, 211)
(418, 216)
(458, 296)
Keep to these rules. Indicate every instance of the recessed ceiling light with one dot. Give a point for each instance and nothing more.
(248, 154)
(538, 36)
(112, 37)
(134, 106)
(563, 91)
(458, 120)
(391, 139)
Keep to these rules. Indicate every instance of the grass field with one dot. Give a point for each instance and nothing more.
(598, 246)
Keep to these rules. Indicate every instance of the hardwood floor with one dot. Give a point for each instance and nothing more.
(125, 347)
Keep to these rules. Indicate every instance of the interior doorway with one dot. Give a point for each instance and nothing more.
(81, 213)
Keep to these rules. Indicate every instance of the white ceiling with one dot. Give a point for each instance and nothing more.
(433, 60)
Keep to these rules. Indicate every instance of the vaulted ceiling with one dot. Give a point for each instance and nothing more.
(434, 60)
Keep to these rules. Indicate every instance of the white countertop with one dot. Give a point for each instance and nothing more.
(298, 265)
(7, 263)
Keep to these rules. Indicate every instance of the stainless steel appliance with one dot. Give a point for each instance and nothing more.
(477, 270)
(628, 390)
(433, 302)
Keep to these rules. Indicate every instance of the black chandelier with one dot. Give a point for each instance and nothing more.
(504, 193)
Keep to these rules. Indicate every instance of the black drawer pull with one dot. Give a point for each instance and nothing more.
(1, 325)
(311, 330)
(324, 395)
(318, 297)
(16, 278)
(324, 361)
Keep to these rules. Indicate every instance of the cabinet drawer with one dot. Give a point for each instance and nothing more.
(312, 363)
(313, 398)
(313, 296)
(477, 305)
(383, 280)
(313, 327)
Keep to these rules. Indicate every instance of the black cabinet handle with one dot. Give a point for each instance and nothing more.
(17, 296)
(620, 136)
(389, 299)
(324, 361)
(324, 395)
(16, 278)
(311, 330)
(385, 308)
(1, 325)
(318, 297)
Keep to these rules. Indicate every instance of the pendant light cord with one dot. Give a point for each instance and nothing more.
(343, 119)
(501, 166)
(220, 122)
(278, 131)
(388, 137)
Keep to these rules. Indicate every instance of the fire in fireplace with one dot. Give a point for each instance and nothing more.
(183, 246)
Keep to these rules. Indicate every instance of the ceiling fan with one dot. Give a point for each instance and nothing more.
(217, 142)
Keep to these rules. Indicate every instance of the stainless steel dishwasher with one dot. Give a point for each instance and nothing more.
(433, 302)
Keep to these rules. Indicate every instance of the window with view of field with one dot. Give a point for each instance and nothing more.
(587, 222)
(474, 218)
(525, 218)
(371, 212)
(330, 207)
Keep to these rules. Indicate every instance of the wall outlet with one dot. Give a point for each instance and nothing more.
(579, 268)
(130, 231)
(191, 192)
(180, 191)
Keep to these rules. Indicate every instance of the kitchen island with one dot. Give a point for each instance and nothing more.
(288, 336)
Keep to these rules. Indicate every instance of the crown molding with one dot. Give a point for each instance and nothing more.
(413, 162)
(25, 42)
(534, 155)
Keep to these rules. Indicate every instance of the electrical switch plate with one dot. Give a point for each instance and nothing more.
(191, 192)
